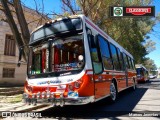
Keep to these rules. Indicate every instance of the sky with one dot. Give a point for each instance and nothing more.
(55, 5)
(155, 36)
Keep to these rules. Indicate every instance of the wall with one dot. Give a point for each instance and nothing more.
(11, 61)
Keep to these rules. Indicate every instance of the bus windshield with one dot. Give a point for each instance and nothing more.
(60, 56)
(139, 71)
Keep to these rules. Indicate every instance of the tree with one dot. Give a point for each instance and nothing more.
(149, 45)
(128, 32)
(22, 36)
(150, 65)
(19, 40)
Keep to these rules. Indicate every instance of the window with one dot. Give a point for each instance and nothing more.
(66, 54)
(8, 72)
(95, 52)
(130, 63)
(115, 57)
(106, 57)
(37, 62)
(61, 56)
(133, 64)
(120, 59)
(125, 60)
(139, 71)
(10, 46)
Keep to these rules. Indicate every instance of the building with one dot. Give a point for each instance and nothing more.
(158, 73)
(10, 74)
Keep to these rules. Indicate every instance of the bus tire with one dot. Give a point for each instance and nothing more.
(113, 92)
(134, 84)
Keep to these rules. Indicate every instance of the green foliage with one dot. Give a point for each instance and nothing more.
(128, 32)
(149, 64)
(149, 45)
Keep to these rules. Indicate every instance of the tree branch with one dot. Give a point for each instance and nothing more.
(93, 5)
(4, 20)
(94, 16)
(2, 9)
(68, 4)
(13, 26)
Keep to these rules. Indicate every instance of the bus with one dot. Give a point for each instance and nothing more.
(142, 73)
(72, 61)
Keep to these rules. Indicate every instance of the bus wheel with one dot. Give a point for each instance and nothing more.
(113, 92)
(134, 84)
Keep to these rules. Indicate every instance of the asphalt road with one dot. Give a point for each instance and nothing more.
(145, 98)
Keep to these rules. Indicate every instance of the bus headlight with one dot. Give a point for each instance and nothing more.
(25, 95)
(38, 95)
(29, 88)
(43, 94)
(34, 95)
(77, 84)
(70, 87)
(61, 95)
(52, 94)
(48, 94)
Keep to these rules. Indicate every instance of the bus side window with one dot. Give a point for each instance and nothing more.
(125, 61)
(120, 59)
(129, 62)
(106, 57)
(95, 55)
(133, 64)
(115, 57)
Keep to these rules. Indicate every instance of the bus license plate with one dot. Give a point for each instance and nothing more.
(72, 94)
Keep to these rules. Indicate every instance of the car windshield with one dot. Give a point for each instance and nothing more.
(60, 56)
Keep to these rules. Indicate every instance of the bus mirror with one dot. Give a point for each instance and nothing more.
(20, 56)
(96, 40)
(93, 44)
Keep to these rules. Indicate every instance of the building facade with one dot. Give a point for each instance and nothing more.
(10, 74)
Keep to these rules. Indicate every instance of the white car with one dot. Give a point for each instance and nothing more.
(152, 76)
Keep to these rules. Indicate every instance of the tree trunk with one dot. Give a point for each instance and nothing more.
(22, 22)
(13, 26)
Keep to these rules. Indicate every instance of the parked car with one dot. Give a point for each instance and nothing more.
(152, 76)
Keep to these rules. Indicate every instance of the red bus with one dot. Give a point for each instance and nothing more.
(142, 73)
(73, 62)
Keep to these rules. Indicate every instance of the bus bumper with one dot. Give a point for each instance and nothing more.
(61, 101)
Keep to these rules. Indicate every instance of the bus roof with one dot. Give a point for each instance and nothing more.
(54, 20)
(140, 66)
(87, 20)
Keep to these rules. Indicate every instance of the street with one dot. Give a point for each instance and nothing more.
(145, 99)
(140, 104)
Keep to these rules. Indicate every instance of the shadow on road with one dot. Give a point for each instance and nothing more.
(123, 106)
(155, 81)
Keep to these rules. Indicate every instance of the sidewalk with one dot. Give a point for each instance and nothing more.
(10, 95)
(11, 100)
(148, 107)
